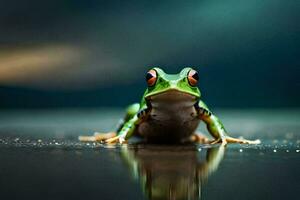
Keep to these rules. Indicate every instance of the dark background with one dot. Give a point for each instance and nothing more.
(95, 53)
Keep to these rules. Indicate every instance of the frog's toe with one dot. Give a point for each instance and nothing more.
(216, 141)
(117, 139)
(242, 141)
(253, 141)
(104, 136)
(87, 138)
(112, 140)
(228, 139)
(97, 137)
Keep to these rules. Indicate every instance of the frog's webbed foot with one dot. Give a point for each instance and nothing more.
(119, 139)
(226, 139)
(216, 141)
(97, 137)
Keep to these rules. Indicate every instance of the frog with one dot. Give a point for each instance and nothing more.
(170, 111)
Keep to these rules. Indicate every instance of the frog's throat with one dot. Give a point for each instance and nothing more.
(172, 94)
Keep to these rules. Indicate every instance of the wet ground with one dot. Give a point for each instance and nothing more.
(42, 159)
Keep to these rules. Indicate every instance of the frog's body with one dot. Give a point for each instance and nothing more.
(169, 111)
(172, 117)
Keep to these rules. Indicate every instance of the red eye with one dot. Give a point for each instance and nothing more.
(193, 77)
(151, 77)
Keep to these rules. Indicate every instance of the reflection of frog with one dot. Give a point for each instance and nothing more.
(176, 172)
(170, 111)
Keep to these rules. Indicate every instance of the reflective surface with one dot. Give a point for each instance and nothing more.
(42, 159)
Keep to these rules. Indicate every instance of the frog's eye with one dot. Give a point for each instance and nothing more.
(151, 77)
(193, 77)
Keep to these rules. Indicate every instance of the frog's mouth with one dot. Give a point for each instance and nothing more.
(172, 96)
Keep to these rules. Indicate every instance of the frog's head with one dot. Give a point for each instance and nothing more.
(183, 84)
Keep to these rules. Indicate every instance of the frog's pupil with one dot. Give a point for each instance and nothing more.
(148, 76)
(196, 76)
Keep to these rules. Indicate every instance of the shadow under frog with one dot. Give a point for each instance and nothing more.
(172, 172)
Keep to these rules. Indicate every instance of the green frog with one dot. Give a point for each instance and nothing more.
(169, 112)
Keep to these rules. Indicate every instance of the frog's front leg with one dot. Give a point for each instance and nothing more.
(216, 128)
(125, 132)
(128, 128)
(101, 137)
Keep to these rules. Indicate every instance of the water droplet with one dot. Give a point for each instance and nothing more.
(297, 150)
(39, 140)
(199, 149)
(241, 150)
(274, 150)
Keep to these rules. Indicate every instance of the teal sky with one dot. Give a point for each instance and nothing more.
(96, 53)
